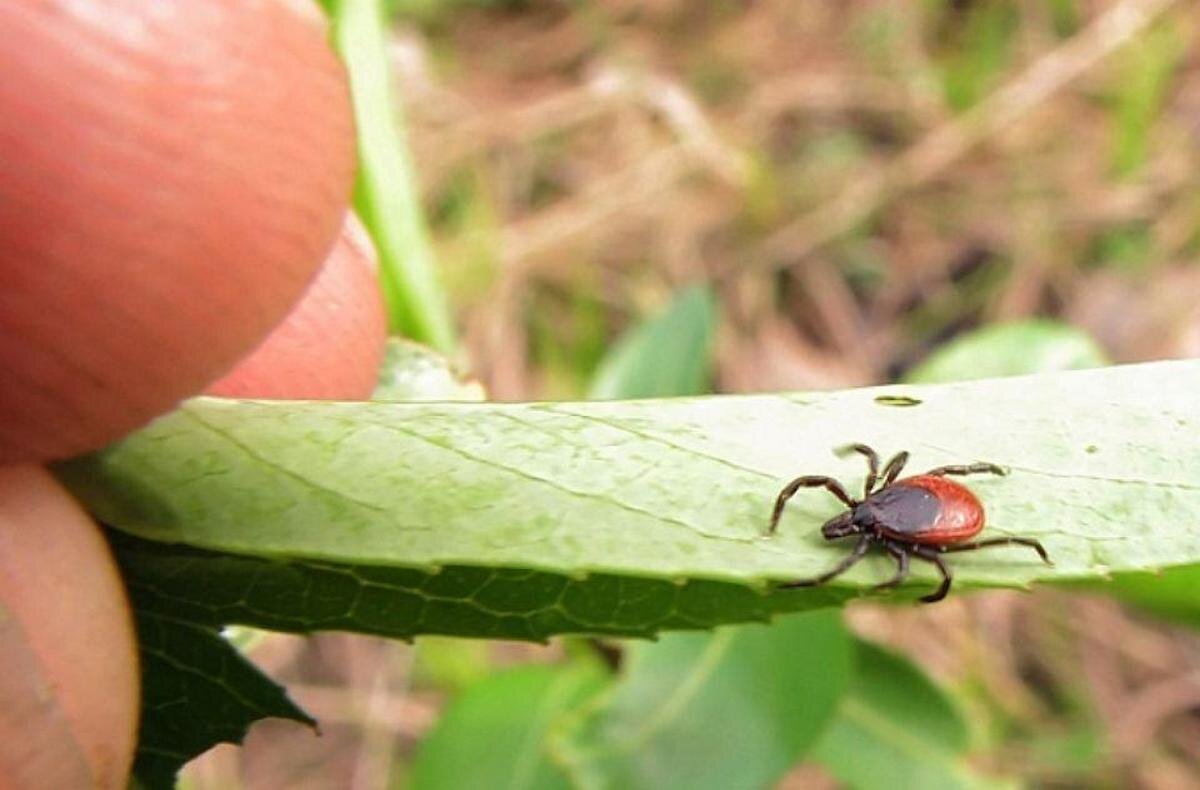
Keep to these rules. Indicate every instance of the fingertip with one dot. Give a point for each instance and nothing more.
(331, 345)
(173, 176)
(69, 617)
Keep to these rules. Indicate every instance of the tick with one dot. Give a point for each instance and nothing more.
(924, 516)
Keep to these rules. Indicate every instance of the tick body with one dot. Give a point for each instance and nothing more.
(923, 516)
(926, 509)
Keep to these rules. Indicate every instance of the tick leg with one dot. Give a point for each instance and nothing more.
(983, 544)
(967, 469)
(892, 470)
(872, 465)
(930, 555)
(901, 568)
(860, 550)
(808, 481)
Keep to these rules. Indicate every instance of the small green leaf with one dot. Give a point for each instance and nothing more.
(732, 709)
(1014, 349)
(494, 734)
(666, 356)
(1173, 594)
(451, 665)
(895, 728)
(197, 691)
(412, 372)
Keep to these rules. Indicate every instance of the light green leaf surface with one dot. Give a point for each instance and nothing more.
(895, 728)
(494, 734)
(625, 517)
(730, 709)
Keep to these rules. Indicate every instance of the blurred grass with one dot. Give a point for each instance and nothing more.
(526, 110)
(1144, 72)
(978, 47)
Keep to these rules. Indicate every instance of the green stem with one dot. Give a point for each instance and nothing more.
(385, 194)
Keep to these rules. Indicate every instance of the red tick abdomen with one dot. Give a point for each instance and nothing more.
(959, 514)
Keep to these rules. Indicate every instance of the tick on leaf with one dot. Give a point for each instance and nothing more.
(924, 516)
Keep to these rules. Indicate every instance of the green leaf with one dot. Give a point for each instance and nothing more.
(732, 709)
(386, 195)
(412, 372)
(301, 596)
(197, 691)
(450, 665)
(1011, 349)
(494, 734)
(666, 356)
(626, 517)
(895, 728)
(1173, 594)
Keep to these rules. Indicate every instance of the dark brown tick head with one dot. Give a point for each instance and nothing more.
(840, 526)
